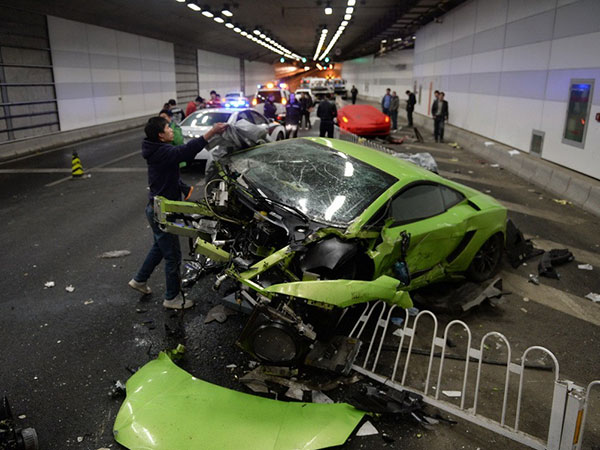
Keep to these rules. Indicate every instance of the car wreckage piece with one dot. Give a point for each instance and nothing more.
(310, 226)
(167, 408)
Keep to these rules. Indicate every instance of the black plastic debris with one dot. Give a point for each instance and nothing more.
(12, 437)
(218, 313)
(518, 249)
(117, 390)
(337, 355)
(554, 257)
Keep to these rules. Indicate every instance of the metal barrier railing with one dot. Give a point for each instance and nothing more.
(568, 413)
(344, 135)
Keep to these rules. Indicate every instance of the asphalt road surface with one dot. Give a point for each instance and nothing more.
(62, 351)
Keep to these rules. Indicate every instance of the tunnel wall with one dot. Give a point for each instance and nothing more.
(372, 75)
(257, 73)
(103, 75)
(506, 67)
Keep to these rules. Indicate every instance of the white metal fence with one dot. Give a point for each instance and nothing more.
(567, 416)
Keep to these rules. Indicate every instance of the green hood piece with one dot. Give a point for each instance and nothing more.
(167, 408)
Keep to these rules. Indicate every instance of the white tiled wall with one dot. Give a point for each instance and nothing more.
(102, 75)
(257, 73)
(506, 65)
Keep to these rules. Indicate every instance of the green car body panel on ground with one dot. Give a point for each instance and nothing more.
(443, 244)
(167, 408)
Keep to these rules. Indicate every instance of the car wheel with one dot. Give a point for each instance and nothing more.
(487, 259)
(279, 137)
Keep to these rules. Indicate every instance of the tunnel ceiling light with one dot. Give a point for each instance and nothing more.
(328, 9)
(398, 40)
(230, 25)
(180, 1)
(193, 6)
(207, 13)
(237, 29)
(256, 32)
(226, 11)
(348, 17)
(219, 19)
(351, 2)
(349, 10)
(344, 23)
(262, 35)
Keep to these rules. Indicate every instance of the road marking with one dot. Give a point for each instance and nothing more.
(553, 298)
(35, 170)
(542, 213)
(121, 158)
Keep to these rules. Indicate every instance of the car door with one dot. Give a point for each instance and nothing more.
(430, 212)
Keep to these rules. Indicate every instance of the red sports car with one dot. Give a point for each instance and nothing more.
(363, 120)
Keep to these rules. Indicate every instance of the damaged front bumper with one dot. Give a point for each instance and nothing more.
(167, 408)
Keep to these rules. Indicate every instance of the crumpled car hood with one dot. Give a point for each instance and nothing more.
(167, 408)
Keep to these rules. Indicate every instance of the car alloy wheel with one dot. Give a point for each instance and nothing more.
(487, 259)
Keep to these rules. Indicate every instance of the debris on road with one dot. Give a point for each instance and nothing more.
(49, 284)
(231, 366)
(367, 430)
(495, 166)
(554, 257)
(218, 313)
(533, 279)
(117, 390)
(560, 201)
(454, 145)
(115, 254)
(593, 297)
(518, 249)
(452, 394)
(88, 302)
(319, 397)
(493, 293)
(585, 267)
(488, 143)
(514, 152)
(70, 288)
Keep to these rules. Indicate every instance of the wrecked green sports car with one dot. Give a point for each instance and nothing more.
(308, 227)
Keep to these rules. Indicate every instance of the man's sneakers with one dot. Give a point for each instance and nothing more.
(140, 287)
(178, 303)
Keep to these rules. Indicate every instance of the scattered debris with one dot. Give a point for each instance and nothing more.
(533, 279)
(525, 299)
(12, 437)
(231, 366)
(70, 288)
(452, 394)
(396, 140)
(80, 439)
(176, 353)
(115, 254)
(218, 313)
(117, 390)
(413, 311)
(49, 284)
(496, 166)
(514, 152)
(295, 392)
(593, 297)
(398, 321)
(22, 416)
(488, 143)
(524, 310)
(88, 302)
(454, 159)
(560, 201)
(367, 430)
(518, 248)
(470, 172)
(454, 145)
(319, 397)
(336, 355)
(585, 267)
(493, 292)
(554, 257)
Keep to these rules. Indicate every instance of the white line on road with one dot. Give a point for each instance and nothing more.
(121, 158)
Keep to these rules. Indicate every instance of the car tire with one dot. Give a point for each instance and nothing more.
(486, 261)
(280, 137)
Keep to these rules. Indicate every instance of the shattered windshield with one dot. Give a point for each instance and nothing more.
(325, 184)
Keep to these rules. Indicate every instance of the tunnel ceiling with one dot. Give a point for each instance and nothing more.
(294, 24)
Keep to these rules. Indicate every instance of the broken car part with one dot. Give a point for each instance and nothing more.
(167, 408)
(555, 257)
(518, 249)
(12, 437)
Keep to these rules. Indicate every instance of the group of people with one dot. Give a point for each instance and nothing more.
(297, 111)
(390, 104)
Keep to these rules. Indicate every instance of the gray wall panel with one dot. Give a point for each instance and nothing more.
(126, 63)
(532, 29)
(577, 18)
(485, 83)
(131, 88)
(462, 47)
(443, 51)
(459, 83)
(68, 91)
(489, 40)
(151, 87)
(63, 58)
(108, 62)
(107, 89)
(526, 84)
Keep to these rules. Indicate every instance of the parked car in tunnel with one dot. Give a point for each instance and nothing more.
(310, 226)
(198, 123)
(363, 120)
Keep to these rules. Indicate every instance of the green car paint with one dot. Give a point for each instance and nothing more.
(439, 248)
(169, 409)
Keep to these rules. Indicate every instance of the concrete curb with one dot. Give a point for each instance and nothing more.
(577, 188)
(23, 147)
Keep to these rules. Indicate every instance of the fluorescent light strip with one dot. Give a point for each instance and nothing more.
(338, 33)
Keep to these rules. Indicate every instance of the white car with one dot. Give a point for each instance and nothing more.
(280, 98)
(236, 100)
(198, 123)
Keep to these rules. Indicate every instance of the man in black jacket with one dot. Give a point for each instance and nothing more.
(326, 112)
(305, 104)
(163, 178)
(270, 110)
(410, 107)
(439, 111)
(353, 93)
(293, 114)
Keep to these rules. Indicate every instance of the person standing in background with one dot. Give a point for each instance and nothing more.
(194, 105)
(306, 103)
(354, 93)
(270, 109)
(394, 107)
(293, 115)
(326, 112)
(386, 102)
(439, 111)
(410, 107)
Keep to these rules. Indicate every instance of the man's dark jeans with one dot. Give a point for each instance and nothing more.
(409, 117)
(326, 129)
(394, 115)
(165, 246)
(438, 128)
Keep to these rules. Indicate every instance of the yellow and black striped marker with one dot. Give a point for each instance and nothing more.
(76, 167)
